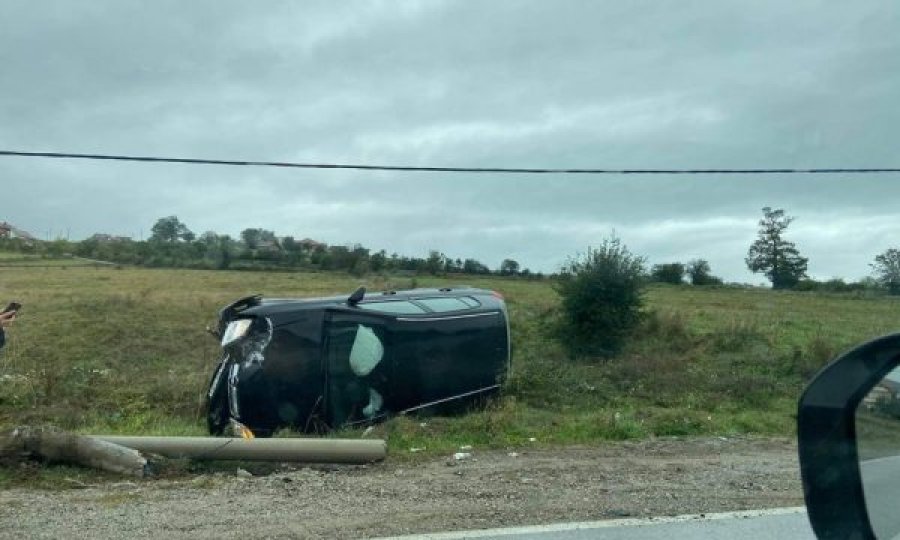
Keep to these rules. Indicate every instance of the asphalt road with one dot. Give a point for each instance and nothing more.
(786, 523)
(881, 485)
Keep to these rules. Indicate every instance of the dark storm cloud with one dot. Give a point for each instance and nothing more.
(527, 84)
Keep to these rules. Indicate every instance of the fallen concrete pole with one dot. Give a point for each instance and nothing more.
(351, 451)
(62, 447)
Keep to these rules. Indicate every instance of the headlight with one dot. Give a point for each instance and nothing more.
(236, 330)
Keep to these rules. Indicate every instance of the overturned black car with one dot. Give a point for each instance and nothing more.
(319, 364)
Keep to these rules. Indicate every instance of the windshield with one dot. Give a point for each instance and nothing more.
(615, 241)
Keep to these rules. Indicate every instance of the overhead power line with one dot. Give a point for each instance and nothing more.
(411, 168)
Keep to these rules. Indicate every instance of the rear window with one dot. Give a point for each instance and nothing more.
(397, 306)
(443, 304)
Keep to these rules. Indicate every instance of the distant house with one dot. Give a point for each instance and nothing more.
(892, 385)
(883, 392)
(270, 245)
(108, 238)
(308, 244)
(8, 230)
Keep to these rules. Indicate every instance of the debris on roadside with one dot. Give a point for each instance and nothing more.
(78, 484)
(142, 456)
(55, 445)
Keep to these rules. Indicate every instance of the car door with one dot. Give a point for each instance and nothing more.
(357, 366)
(453, 351)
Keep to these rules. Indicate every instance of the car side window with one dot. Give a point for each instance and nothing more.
(443, 304)
(470, 301)
(395, 306)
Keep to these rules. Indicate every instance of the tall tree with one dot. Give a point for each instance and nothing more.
(251, 237)
(698, 271)
(774, 256)
(434, 264)
(210, 238)
(378, 261)
(887, 270)
(170, 229)
(509, 267)
(224, 244)
(472, 266)
(668, 273)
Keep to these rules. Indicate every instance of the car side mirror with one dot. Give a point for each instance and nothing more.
(848, 430)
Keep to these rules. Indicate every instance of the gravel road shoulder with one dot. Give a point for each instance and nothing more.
(489, 489)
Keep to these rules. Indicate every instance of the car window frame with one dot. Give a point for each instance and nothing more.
(419, 301)
(362, 306)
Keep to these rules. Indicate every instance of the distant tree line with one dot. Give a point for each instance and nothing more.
(173, 244)
(781, 262)
(696, 272)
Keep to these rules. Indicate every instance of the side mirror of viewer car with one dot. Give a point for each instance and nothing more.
(848, 429)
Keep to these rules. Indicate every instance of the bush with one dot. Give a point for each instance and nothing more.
(601, 299)
(668, 273)
(837, 285)
(698, 272)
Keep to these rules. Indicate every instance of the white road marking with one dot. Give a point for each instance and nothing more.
(604, 524)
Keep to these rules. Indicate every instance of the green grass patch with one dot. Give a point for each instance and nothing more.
(124, 351)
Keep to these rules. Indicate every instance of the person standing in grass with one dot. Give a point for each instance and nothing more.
(6, 319)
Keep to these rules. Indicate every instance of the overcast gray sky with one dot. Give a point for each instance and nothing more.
(503, 83)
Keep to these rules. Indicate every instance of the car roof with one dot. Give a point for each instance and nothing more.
(273, 305)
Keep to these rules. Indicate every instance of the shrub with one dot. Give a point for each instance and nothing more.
(600, 299)
(668, 273)
(837, 285)
(698, 271)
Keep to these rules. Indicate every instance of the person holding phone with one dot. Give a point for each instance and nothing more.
(7, 316)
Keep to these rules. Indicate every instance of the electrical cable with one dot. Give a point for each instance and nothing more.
(410, 168)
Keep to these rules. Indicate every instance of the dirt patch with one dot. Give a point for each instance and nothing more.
(489, 489)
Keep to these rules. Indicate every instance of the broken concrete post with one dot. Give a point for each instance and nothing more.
(350, 451)
(62, 447)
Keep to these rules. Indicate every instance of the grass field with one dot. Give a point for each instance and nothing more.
(12, 259)
(124, 351)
